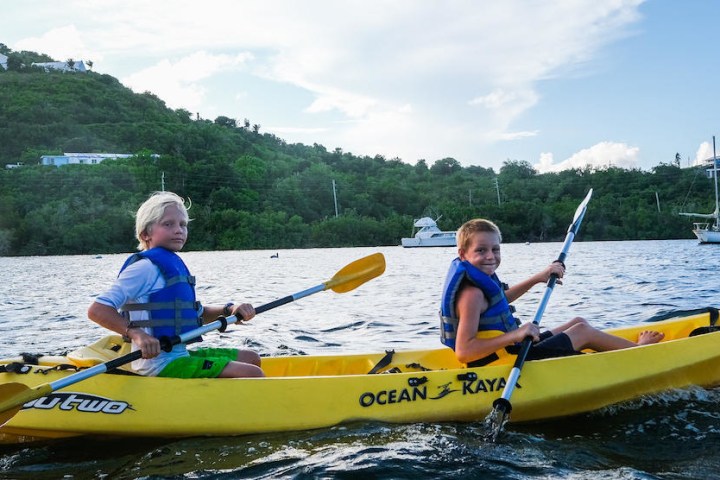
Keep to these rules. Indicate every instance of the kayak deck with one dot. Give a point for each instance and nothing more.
(112, 346)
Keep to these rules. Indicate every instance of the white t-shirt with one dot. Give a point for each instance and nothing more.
(134, 285)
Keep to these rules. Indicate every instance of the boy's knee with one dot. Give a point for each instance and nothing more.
(580, 328)
(252, 371)
(249, 356)
(241, 370)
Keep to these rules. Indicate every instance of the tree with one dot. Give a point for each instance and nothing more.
(446, 166)
(517, 169)
(14, 63)
(184, 115)
(5, 242)
(226, 122)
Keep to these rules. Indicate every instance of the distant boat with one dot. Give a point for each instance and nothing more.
(427, 234)
(704, 231)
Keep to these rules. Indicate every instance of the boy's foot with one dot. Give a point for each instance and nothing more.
(648, 337)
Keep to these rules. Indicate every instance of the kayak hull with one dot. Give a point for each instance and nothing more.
(308, 392)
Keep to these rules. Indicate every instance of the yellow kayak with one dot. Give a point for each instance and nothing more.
(306, 392)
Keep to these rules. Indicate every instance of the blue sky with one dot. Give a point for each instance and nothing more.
(557, 83)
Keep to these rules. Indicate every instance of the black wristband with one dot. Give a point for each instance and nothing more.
(226, 309)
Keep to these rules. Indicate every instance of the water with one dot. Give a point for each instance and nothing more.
(672, 436)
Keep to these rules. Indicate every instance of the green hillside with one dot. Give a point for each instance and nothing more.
(253, 190)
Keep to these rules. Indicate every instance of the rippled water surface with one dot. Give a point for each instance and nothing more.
(674, 436)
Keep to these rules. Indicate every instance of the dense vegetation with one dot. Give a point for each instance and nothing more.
(252, 190)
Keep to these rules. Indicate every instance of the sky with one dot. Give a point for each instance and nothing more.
(557, 83)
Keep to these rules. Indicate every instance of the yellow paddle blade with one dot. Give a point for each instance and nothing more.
(14, 395)
(9, 392)
(356, 273)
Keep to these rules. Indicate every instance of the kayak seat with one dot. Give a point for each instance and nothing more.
(106, 349)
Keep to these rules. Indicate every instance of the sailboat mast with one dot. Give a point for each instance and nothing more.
(715, 173)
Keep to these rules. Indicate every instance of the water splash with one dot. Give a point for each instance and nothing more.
(495, 424)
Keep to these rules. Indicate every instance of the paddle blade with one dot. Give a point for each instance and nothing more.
(9, 392)
(14, 395)
(497, 418)
(356, 273)
(580, 211)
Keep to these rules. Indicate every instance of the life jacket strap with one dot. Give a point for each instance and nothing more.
(449, 328)
(189, 279)
(160, 306)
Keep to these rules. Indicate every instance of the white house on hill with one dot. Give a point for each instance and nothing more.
(80, 158)
(3, 61)
(69, 66)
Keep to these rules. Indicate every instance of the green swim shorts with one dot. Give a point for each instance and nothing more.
(202, 363)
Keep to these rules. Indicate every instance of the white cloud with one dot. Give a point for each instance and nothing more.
(508, 136)
(600, 155)
(61, 43)
(493, 100)
(180, 82)
(354, 106)
(297, 130)
(704, 152)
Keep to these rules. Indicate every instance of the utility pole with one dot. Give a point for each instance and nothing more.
(497, 189)
(162, 182)
(335, 197)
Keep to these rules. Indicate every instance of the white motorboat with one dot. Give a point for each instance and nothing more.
(427, 234)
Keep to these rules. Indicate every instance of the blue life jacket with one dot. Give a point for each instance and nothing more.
(498, 316)
(173, 309)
